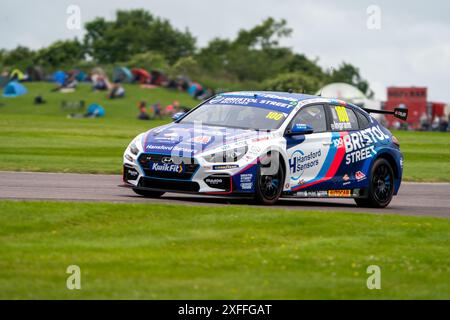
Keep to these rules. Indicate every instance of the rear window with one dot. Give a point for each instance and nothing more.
(343, 119)
(363, 120)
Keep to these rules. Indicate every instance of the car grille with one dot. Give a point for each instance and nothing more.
(169, 185)
(189, 166)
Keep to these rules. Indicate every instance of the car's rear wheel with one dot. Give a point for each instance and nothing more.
(269, 184)
(381, 187)
(148, 194)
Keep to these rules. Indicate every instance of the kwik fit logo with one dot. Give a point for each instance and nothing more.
(165, 167)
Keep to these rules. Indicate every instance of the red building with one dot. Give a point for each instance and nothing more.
(415, 99)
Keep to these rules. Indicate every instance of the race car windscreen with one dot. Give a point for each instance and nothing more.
(236, 116)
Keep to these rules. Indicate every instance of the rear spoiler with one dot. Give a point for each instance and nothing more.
(399, 113)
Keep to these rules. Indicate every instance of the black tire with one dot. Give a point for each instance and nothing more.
(381, 187)
(148, 194)
(268, 187)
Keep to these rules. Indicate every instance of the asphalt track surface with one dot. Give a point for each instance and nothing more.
(424, 199)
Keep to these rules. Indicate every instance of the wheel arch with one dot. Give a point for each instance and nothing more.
(391, 159)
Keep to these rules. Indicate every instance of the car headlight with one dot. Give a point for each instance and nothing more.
(230, 155)
(134, 149)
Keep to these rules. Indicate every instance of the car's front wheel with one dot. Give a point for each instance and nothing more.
(148, 194)
(269, 183)
(381, 188)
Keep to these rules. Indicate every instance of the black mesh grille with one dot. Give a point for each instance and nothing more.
(169, 185)
(188, 166)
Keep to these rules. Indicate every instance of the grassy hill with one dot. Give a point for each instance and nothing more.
(42, 138)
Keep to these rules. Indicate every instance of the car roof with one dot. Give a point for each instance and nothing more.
(297, 96)
(287, 95)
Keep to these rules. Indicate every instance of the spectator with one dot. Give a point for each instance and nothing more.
(117, 91)
(173, 108)
(69, 85)
(157, 110)
(143, 115)
(99, 83)
(444, 124)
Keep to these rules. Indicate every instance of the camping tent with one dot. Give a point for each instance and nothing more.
(342, 91)
(79, 75)
(35, 73)
(16, 74)
(122, 74)
(158, 78)
(350, 94)
(59, 77)
(194, 89)
(95, 110)
(141, 75)
(14, 89)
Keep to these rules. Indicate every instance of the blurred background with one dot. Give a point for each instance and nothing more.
(380, 55)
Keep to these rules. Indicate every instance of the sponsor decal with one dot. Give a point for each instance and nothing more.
(272, 115)
(257, 100)
(311, 194)
(360, 145)
(343, 119)
(341, 126)
(339, 193)
(133, 173)
(346, 179)
(246, 181)
(166, 167)
(246, 186)
(214, 181)
(360, 176)
(225, 166)
(176, 148)
(216, 100)
(201, 139)
(299, 162)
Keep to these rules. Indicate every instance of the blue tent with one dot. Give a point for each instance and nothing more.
(81, 76)
(96, 110)
(59, 77)
(14, 89)
(122, 74)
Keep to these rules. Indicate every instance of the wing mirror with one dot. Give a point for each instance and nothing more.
(178, 116)
(300, 129)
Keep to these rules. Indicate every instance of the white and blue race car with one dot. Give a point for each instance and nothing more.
(267, 145)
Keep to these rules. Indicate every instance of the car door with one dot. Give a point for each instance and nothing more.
(307, 154)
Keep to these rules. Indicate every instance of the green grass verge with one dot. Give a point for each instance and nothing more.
(172, 252)
(41, 138)
(427, 155)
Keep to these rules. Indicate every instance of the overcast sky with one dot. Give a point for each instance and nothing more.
(412, 47)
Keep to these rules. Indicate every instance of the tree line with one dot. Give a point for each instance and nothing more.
(253, 59)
